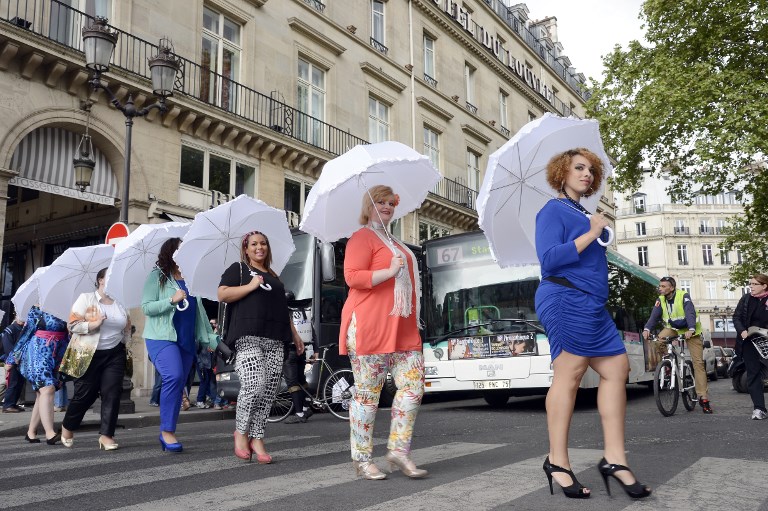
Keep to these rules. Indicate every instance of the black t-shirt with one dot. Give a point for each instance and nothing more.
(260, 313)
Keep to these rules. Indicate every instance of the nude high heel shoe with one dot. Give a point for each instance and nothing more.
(402, 461)
(368, 470)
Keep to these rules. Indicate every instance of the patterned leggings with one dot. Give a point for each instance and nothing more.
(258, 364)
(407, 368)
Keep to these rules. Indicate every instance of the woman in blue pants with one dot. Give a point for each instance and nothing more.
(176, 325)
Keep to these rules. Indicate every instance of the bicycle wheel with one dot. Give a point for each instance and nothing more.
(689, 395)
(664, 388)
(282, 406)
(338, 392)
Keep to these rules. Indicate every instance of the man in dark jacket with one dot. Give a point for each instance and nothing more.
(15, 380)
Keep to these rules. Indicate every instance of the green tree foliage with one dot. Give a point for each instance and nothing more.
(692, 101)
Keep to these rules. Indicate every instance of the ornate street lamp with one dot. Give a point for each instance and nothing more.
(83, 161)
(99, 44)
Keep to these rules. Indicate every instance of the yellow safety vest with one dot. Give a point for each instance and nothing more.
(677, 312)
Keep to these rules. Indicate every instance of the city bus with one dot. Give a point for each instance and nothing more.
(481, 329)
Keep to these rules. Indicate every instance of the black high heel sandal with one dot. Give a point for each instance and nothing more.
(574, 491)
(31, 440)
(636, 490)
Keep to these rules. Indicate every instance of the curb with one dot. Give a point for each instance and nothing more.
(134, 421)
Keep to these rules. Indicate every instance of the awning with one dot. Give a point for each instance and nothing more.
(177, 218)
(627, 265)
(44, 162)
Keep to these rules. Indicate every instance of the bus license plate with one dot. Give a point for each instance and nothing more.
(490, 384)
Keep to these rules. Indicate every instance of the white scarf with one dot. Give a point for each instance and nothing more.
(403, 299)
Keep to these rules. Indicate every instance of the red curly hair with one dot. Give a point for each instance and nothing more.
(559, 166)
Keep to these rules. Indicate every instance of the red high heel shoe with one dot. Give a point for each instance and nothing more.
(261, 459)
(243, 454)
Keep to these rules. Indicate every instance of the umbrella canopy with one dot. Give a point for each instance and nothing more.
(333, 205)
(73, 273)
(213, 242)
(515, 186)
(135, 256)
(28, 294)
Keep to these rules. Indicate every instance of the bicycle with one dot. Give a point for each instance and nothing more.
(673, 378)
(337, 391)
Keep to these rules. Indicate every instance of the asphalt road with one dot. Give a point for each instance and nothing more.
(479, 458)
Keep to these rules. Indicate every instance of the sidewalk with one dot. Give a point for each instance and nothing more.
(16, 424)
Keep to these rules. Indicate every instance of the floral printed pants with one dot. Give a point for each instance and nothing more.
(407, 368)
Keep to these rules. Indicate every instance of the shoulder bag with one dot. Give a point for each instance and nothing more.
(226, 347)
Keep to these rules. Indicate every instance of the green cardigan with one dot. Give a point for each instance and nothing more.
(158, 309)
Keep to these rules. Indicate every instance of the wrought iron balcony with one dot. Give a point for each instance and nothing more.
(316, 4)
(379, 46)
(472, 108)
(431, 81)
(60, 23)
(456, 192)
(504, 131)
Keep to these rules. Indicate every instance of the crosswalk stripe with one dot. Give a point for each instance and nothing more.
(30, 494)
(710, 483)
(489, 489)
(99, 458)
(237, 496)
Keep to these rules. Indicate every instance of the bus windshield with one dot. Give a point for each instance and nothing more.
(464, 287)
(297, 275)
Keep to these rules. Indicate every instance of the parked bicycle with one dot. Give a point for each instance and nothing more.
(674, 378)
(332, 393)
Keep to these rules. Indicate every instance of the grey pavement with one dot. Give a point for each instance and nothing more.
(13, 424)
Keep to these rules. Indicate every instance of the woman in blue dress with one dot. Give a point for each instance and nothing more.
(570, 303)
(173, 335)
(39, 351)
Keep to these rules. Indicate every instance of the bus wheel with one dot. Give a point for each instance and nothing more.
(496, 399)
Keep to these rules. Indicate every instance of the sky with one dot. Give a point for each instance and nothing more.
(588, 29)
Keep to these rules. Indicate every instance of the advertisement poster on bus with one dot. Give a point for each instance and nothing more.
(492, 346)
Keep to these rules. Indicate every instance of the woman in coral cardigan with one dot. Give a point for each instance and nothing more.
(379, 332)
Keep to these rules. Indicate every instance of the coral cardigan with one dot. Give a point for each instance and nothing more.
(377, 331)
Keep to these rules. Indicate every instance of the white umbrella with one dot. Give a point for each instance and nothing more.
(515, 186)
(333, 205)
(213, 242)
(73, 273)
(135, 256)
(28, 294)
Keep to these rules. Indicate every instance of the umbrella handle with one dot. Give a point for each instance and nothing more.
(265, 287)
(610, 237)
(182, 305)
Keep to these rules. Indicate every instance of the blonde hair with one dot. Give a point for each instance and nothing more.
(378, 192)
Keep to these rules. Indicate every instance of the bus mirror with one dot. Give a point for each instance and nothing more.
(328, 262)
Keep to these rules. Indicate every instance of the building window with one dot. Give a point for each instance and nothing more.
(706, 251)
(377, 21)
(428, 231)
(378, 120)
(721, 226)
(640, 228)
(711, 289)
(739, 258)
(469, 87)
(220, 60)
(503, 110)
(429, 60)
(639, 203)
(473, 170)
(680, 227)
(294, 196)
(729, 293)
(682, 255)
(531, 116)
(685, 286)
(642, 256)
(432, 146)
(725, 258)
(64, 24)
(705, 228)
(202, 169)
(310, 95)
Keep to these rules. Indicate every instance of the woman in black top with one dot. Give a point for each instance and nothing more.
(259, 322)
(752, 310)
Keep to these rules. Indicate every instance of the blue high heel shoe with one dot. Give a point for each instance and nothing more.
(175, 447)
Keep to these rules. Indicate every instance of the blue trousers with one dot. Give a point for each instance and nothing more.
(173, 364)
(15, 385)
(155, 398)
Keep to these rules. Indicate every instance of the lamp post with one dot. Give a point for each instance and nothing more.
(725, 314)
(99, 44)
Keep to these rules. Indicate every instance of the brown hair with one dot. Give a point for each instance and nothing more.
(761, 278)
(102, 273)
(165, 259)
(559, 166)
(244, 256)
(378, 192)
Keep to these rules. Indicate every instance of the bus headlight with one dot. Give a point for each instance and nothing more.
(430, 371)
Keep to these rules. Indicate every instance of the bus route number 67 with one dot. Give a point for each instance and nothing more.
(450, 255)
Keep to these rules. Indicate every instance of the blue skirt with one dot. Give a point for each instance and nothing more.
(576, 322)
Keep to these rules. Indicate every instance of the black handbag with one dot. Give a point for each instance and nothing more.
(225, 348)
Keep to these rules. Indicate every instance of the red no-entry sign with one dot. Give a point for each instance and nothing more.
(116, 232)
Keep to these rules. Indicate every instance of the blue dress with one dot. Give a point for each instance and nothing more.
(39, 354)
(575, 320)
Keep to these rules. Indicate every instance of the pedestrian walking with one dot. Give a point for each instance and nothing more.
(379, 332)
(570, 303)
(38, 354)
(258, 326)
(172, 335)
(15, 381)
(96, 358)
(751, 319)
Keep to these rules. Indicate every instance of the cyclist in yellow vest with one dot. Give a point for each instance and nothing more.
(679, 316)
